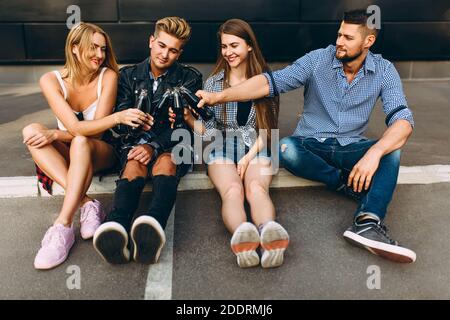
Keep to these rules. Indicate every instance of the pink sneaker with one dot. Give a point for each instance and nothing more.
(55, 247)
(92, 216)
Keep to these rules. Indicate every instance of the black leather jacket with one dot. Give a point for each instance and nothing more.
(133, 78)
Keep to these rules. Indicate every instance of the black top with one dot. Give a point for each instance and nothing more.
(79, 116)
(243, 112)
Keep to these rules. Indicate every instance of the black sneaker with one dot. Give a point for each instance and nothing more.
(148, 239)
(373, 236)
(110, 241)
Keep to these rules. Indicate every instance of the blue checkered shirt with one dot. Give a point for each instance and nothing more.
(335, 108)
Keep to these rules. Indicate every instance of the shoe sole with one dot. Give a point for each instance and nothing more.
(244, 243)
(384, 250)
(87, 235)
(111, 244)
(148, 239)
(274, 241)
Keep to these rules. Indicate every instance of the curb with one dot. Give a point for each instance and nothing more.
(17, 187)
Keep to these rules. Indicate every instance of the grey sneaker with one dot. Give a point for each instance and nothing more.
(373, 236)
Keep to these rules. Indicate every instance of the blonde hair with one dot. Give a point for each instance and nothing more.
(174, 26)
(81, 36)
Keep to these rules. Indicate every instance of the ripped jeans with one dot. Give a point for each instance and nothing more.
(328, 161)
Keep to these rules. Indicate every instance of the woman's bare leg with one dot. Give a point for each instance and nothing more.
(53, 159)
(257, 191)
(87, 156)
(229, 185)
(274, 238)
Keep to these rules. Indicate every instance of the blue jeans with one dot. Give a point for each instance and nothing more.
(326, 161)
(233, 149)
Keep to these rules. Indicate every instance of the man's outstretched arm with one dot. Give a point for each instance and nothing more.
(251, 89)
(284, 80)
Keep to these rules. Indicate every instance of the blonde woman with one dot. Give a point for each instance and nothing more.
(81, 95)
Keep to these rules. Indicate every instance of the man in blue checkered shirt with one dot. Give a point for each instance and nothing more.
(342, 84)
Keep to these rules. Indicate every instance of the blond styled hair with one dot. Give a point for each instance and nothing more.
(174, 26)
(81, 36)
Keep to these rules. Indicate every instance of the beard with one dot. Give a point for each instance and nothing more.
(347, 58)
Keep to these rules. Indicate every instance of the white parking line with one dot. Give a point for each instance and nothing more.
(159, 278)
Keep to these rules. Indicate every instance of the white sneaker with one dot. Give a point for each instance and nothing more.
(274, 241)
(244, 242)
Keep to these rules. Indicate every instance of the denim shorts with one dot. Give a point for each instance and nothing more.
(233, 149)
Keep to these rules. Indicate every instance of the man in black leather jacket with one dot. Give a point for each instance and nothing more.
(147, 150)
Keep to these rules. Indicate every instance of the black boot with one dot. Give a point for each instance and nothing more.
(164, 196)
(111, 238)
(126, 201)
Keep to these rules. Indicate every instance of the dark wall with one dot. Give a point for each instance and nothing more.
(35, 31)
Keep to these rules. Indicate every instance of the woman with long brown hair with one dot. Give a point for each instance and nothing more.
(239, 166)
(82, 97)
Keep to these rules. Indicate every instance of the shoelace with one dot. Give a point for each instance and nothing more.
(384, 231)
(90, 213)
(53, 238)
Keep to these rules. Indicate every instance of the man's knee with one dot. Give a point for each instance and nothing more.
(284, 142)
(31, 129)
(134, 169)
(393, 158)
(164, 166)
(290, 151)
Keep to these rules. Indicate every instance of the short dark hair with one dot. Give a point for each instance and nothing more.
(360, 17)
